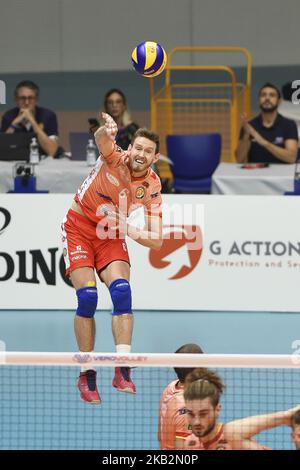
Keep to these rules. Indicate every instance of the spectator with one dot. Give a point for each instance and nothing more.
(115, 104)
(296, 429)
(287, 108)
(27, 116)
(269, 137)
(173, 427)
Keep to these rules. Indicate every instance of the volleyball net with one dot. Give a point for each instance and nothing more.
(40, 406)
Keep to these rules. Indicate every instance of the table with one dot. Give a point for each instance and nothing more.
(65, 176)
(56, 175)
(231, 178)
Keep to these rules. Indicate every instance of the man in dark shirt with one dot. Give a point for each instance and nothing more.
(269, 137)
(27, 116)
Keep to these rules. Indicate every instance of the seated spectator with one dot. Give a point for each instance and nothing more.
(27, 116)
(287, 108)
(115, 104)
(269, 137)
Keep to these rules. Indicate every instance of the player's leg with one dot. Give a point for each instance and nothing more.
(79, 260)
(116, 276)
(84, 282)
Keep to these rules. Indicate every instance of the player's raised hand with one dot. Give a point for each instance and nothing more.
(192, 443)
(109, 128)
(290, 413)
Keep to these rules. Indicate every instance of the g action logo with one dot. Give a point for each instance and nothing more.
(4, 219)
(181, 250)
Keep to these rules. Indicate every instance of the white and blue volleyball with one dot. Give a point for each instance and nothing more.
(149, 59)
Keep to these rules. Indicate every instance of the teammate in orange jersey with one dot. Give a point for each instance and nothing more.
(121, 196)
(173, 427)
(202, 392)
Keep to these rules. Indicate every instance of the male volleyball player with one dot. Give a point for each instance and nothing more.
(173, 427)
(202, 392)
(296, 429)
(94, 240)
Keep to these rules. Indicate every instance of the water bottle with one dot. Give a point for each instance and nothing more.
(91, 153)
(34, 155)
(297, 178)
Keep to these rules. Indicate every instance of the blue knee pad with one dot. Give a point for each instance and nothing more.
(120, 293)
(87, 302)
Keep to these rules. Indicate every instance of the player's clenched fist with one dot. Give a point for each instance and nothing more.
(109, 128)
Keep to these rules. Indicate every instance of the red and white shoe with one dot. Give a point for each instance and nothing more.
(122, 380)
(88, 387)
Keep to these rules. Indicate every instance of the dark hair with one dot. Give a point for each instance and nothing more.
(287, 91)
(296, 419)
(143, 132)
(270, 85)
(28, 84)
(110, 92)
(201, 384)
(189, 348)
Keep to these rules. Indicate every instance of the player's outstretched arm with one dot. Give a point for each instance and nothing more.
(105, 135)
(151, 236)
(246, 428)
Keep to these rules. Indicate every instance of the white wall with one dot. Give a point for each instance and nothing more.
(64, 35)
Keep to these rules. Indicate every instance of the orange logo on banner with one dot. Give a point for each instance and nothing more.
(182, 247)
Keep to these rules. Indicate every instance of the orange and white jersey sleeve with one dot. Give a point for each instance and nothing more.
(116, 158)
(110, 183)
(153, 203)
(172, 420)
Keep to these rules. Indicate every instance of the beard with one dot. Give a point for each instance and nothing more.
(206, 431)
(269, 109)
(138, 167)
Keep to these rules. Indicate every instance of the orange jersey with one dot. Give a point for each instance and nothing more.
(111, 185)
(172, 418)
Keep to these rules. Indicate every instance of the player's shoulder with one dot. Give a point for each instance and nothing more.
(172, 391)
(117, 155)
(154, 182)
(118, 149)
(153, 175)
(171, 387)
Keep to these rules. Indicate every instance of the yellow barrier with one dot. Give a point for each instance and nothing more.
(204, 107)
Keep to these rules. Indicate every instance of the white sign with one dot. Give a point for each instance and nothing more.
(220, 253)
(2, 92)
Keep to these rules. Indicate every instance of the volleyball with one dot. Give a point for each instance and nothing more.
(149, 59)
